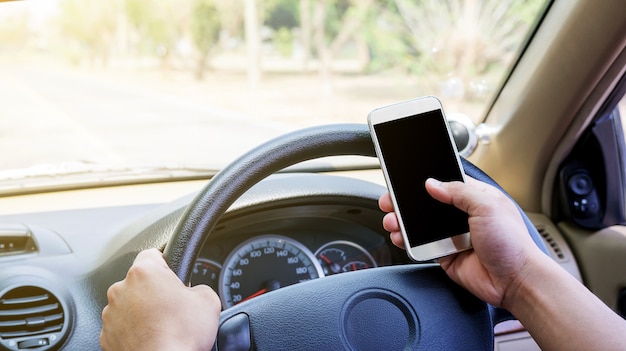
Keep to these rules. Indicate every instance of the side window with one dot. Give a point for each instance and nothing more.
(621, 107)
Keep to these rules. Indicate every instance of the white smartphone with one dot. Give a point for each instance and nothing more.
(413, 143)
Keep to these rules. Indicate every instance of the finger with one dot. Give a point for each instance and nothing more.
(446, 261)
(469, 197)
(151, 255)
(105, 313)
(103, 332)
(397, 239)
(149, 261)
(385, 203)
(113, 291)
(149, 267)
(203, 289)
(439, 191)
(390, 222)
(103, 340)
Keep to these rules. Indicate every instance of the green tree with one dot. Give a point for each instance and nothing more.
(333, 25)
(281, 14)
(159, 25)
(231, 17)
(388, 41)
(205, 30)
(463, 45)
(89, 25)
(282, 17)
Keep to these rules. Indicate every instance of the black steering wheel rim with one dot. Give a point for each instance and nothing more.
(230, 183)
(203, 213)
(397, 289)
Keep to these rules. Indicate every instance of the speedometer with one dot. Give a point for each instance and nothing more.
(263, 264)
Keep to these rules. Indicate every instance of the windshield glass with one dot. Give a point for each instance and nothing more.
(177, 84)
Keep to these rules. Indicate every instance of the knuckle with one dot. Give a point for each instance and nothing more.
(105, 313)
(112, 292)
(139, 269)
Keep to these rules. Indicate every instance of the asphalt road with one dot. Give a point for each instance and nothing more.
(64, 116)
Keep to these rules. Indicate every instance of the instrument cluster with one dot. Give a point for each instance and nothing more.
(244, 267)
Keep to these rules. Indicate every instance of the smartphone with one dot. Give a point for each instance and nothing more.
(413, 143)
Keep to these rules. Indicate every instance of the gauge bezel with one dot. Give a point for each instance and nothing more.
(347, 243)
(246, 247)
(210, 262)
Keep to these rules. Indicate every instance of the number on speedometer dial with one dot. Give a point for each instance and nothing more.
(263, 264)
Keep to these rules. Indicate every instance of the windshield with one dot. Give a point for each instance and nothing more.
(191, 84)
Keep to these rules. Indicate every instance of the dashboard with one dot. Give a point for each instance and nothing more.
(287, 229)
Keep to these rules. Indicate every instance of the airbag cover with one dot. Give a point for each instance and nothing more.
(408, 307)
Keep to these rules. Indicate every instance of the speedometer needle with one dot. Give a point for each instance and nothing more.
(269, 286)
(260, 292)
(326, 259)
(334, 267)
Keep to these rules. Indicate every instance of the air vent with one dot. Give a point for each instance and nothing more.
(31, 318)
(551, 243)
(16, 239)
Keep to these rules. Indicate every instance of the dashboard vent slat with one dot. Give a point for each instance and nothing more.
(25, 333)
(29, 312)
(25, 299)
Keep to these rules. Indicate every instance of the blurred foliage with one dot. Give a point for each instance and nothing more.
(283, 40)
(231, 17)
(14, 30)
(90, 26)
(460, 44)
(205, 24)
(157, 28)
(282, 14)
(282, 17)
(205, 30)
(459, 47)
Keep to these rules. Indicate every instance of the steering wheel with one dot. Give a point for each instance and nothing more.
(404, 307)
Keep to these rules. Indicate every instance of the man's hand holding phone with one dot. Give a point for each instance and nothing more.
(502, 266)
(501, 246)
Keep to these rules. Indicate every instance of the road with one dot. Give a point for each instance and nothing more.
(62, 116)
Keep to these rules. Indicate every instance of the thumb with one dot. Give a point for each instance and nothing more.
(441, 191)
(468, 197)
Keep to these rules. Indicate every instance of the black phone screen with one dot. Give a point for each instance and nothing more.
(414, 149)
